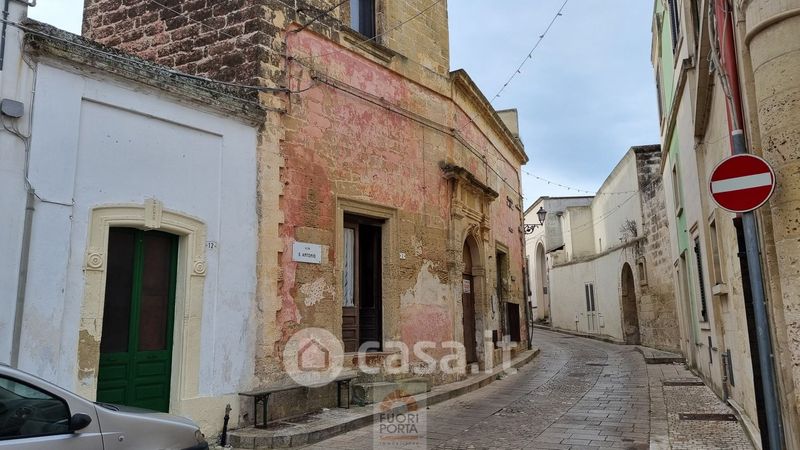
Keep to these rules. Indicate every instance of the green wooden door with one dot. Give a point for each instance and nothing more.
(138, 318)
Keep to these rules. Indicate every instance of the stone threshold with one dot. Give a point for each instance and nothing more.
(313, 428)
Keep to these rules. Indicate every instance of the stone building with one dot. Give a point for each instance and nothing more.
(127, 265)
(721, 66)
(395, 172)
(541, 240)
(606, 266)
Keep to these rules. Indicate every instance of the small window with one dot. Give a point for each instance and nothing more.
(696, 18)
(701, 281)
(642, 264)
(29, 411)
(659, 94)
(589, 291)
(675, 22)
(676, 191)
(362, 17)
(715, 260)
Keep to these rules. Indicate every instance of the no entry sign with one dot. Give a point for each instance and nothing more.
(742, 183)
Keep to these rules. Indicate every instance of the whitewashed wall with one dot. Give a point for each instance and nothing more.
(16, 83)
(617, 201)
(568, 299)
(101, 141)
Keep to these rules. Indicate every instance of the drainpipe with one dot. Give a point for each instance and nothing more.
(6, 6)
(728, 73)
(22, 279)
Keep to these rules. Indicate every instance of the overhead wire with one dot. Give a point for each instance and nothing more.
(528, 57)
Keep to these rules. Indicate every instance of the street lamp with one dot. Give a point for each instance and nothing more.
(541, 214)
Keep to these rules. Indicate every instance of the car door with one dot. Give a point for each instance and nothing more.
(32, 417)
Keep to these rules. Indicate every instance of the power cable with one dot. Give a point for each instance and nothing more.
(321, 15)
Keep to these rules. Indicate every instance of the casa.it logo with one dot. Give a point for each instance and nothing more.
(313, 357)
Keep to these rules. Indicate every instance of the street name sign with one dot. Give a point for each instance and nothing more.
(742, 183)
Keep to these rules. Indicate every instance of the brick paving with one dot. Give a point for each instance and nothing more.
(578, 393)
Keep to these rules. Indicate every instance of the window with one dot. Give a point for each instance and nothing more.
(589, 291)
(659, 94)
(642, 264)
(26, 411)
(675, 22)
(696, 19)
(701, 281)
(676, 192)
(362, 17)
(715, 261)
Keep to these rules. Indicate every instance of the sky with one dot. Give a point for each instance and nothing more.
(586, 96)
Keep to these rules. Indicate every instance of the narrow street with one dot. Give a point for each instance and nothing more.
(578, 393)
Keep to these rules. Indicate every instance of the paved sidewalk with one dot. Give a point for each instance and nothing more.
(578, 393)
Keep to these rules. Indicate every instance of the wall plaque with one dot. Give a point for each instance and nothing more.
(307, 253)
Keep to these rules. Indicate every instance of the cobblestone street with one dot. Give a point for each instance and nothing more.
(578, 393)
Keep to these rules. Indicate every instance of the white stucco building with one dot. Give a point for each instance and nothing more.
(140, 188)
(542, 246)
(599, 265)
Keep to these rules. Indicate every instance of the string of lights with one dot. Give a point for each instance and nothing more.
(583, 191)
(525, 60)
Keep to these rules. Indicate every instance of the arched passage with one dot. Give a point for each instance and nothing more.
(630, 313)
(542, 299)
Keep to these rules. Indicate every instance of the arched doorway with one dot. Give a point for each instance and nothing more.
(542, 303)
(630, 313)
(468, 302)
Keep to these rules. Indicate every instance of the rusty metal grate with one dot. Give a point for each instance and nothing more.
(683, 383)
(707, 416)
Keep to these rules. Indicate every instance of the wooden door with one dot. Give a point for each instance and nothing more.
(362, 272)
(369, 283)
(591, 309)
(138, 318)
(468, 306)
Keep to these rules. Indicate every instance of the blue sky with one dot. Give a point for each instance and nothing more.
(587, 95)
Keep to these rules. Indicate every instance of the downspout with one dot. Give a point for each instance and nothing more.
(728, 73)
(22, 279)
(6, 6)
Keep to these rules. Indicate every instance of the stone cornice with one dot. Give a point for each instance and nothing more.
(463, 83)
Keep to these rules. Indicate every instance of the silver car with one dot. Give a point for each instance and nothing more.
(35, 414)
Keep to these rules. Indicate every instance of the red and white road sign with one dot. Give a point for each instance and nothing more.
(742, 183)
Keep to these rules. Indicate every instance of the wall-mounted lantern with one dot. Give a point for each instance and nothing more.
(541, 215)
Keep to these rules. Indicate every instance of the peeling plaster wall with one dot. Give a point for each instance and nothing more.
(339, 144)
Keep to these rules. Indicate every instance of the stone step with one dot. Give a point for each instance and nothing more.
(375, 392)
(314, 428)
